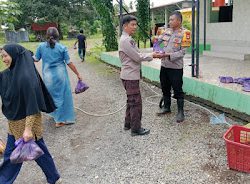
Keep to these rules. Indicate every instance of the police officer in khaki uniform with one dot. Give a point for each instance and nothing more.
(171, 73)
(131, 59)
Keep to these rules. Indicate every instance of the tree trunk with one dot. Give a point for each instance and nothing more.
(60, 31)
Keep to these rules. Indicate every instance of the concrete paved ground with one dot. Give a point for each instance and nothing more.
(96, 150)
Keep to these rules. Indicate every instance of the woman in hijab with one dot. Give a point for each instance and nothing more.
(24, 96)
(55, 58)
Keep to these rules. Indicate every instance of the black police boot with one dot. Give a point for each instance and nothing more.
(180, 116)
(166, 106)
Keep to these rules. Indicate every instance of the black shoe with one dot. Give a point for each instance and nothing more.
(126, 128)
(141, 131)
(163, 111)
(180, 116)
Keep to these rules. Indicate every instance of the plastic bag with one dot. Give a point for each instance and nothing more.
(25, 151)
(81, 87)
(226, 79)
(220, 119)
(246, 87)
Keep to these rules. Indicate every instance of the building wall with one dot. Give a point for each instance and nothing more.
(238, 30)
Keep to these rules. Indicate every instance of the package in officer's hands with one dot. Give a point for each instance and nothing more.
(158, 45)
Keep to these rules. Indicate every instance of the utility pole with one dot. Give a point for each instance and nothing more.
(205, 24)
(195, 38)
(121, 5)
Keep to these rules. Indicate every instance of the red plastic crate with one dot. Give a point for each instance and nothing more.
(238, 148)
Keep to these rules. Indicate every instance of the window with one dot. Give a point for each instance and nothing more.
(221, 11)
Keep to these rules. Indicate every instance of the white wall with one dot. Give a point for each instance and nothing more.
(238, 30)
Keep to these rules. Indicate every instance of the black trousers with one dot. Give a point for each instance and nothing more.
(134, 104)
(172, 78)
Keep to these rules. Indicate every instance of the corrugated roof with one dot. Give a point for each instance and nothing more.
(42, 27)
(170, 2)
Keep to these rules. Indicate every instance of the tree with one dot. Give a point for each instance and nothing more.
(109, 5)
(143, 15)
(105, 9)
(8, 12)
(117, 8)
(66, 13)
(82, 13)
(46, 10)
(27, 9)
(117, 12)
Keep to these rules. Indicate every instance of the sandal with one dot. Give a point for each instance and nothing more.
(57, 125)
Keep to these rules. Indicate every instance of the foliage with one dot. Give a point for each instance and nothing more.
(9, 12)
(159, 16)
(64, 28)
(143, 15)
(68, 14)
(87, 27)
(2, 38)
(46, 10)
(32, 37)
(106, 12)
(83, 16)
(117, 8)
(186, 24)
(27, 8)
(117, 12)
(96, 27)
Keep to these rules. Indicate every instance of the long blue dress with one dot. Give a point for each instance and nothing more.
(56, 79)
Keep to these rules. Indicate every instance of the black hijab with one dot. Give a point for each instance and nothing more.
(22, 90)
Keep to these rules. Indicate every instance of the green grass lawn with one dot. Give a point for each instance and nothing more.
(33, 45)
(93, 42)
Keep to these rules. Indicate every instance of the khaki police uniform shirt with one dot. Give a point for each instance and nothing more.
(173, 46)
(131, 58)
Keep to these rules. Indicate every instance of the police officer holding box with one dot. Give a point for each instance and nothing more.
(175, 40)
(131, 59)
